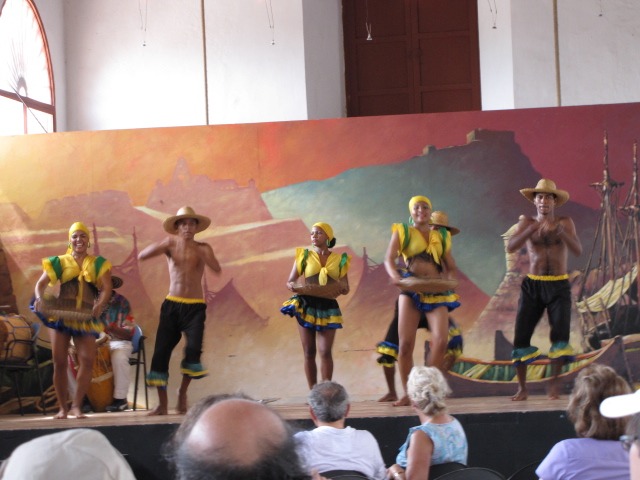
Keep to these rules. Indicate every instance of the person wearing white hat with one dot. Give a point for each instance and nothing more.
(80, 453)
(622, 406)
(184, 308)
(548, 239)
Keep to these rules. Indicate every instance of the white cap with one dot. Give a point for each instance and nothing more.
(621, 405)
(74, 453)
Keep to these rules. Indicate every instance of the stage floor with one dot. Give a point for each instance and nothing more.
(291, 409)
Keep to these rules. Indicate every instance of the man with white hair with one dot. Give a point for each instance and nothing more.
(332, 445)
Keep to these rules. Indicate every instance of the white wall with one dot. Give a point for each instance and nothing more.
(106, 79)
(496, 54)
(324, 59)
(599, 54)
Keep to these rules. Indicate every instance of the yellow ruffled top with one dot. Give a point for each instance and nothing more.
(65, 268)
(412, 242)
(336, 267)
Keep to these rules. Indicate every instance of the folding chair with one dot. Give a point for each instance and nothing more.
(138, 359)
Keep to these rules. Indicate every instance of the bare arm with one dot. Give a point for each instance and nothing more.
(155, 249)
(566, 230)
(419, 456)
(106, 287)
(391, 257)
(293, 276)
(209, 258)
(526, 227)
(450, 267)
(344, 282)
(41, 285)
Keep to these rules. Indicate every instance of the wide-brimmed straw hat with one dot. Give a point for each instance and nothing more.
(546, 186)
(169, 224)
(441, 219)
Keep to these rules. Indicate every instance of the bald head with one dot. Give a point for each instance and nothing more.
(232, 437)
(240, 431)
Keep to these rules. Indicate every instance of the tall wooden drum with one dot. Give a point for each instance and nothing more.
(15, 338)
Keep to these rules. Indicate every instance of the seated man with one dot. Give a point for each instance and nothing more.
(332, 445)
(231, 437)
(120, 327)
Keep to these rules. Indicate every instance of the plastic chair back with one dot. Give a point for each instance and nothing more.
(473, 473)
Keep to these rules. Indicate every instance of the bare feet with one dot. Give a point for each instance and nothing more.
(61, 415)
(403, 402)
(76, 412)
(181, 408)
(159, 410)
(520, 395)
(389, 397)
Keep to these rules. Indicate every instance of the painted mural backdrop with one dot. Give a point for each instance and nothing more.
(264, 185)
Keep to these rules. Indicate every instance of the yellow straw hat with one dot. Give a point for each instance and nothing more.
(546, 186)
(441, 219)
(170, 226)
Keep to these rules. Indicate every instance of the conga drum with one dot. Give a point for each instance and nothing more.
(15, 338)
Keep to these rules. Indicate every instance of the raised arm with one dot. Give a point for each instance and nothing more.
(526, 227)
(566, 230)
(155, 249)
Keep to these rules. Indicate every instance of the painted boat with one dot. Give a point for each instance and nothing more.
(470, 377)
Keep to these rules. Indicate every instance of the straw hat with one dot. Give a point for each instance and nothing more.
(546, 186)
(169, 224)
(441, 219)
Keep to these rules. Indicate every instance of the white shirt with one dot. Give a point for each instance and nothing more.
(328, 448)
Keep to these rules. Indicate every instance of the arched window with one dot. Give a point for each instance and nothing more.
(27, 99)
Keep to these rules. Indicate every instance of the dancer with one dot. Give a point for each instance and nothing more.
(427, 254)
(388, 348)
(184, 309)
(318, 316)
(548, 240)
(85, 280)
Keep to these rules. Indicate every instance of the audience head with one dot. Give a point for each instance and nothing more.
(234, 437)
(329, 402)
(73, 453)
(427, 389)
(593, 384)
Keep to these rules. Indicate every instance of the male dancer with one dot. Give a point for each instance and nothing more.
(548, 240)
(184, 309)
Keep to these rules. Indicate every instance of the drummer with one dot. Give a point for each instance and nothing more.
(426, 254)
(317, 316)
(81, 277)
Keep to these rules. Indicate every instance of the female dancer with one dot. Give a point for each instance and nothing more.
(426, 254)
(81, 276)
(317, 314)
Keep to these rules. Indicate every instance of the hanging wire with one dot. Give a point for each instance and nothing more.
(494, 13)
(272, 24)
(601, 11)
(367, 24)
(143, 20)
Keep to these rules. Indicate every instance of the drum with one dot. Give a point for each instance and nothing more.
(15, 338)
(100, 391)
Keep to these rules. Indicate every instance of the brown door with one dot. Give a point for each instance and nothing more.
(422, 56)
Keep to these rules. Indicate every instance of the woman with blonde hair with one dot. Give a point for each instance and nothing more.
(439, 438)
(596, 453)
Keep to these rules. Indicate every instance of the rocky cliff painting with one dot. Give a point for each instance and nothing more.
(264, 185)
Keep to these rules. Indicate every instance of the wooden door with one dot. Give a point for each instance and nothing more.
(422, 56)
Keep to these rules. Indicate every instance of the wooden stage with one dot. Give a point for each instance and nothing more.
(502, 434)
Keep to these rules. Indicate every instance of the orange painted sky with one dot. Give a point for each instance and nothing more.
(565, 144)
